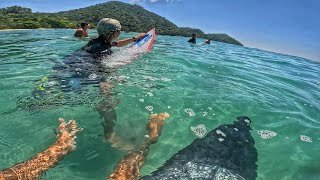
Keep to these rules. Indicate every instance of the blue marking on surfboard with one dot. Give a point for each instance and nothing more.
(140, 42)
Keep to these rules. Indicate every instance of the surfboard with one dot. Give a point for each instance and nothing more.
(145, 44)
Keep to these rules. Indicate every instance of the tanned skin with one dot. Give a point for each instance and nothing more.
(82, 32)
(37, 165)
(129, 166)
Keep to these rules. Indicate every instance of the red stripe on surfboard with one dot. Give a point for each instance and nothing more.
(152, 40)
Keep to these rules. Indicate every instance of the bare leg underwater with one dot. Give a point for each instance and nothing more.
(129, 166)
(37, 165)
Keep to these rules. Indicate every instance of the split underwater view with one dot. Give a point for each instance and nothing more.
(159, 90)
(202, 87)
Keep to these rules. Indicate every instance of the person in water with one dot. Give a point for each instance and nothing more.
(83, 67)
(208, 41)
(108, 30)
(83, 31)
(193, 39)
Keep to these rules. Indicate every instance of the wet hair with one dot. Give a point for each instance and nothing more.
(83, 24)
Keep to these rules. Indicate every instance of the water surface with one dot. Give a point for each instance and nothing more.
(206, 85)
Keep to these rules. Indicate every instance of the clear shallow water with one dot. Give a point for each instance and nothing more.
(196, 84)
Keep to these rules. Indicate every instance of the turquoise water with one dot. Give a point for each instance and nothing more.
(196, 84)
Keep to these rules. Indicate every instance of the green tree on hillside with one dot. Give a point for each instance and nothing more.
(15, 10)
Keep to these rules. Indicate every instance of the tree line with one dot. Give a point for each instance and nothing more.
(17, 17)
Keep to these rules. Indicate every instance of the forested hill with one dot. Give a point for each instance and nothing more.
(132, 17)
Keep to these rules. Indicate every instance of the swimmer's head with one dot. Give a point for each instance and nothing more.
(109, 28)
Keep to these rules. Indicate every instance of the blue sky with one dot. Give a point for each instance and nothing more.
(285, 26)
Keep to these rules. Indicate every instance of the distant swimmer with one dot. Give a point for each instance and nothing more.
(193, 39)
(83, 31)
(208, 41)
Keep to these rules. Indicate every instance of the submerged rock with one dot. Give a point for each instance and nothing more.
(227, 152)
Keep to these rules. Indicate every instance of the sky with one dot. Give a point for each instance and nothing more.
(284, 26)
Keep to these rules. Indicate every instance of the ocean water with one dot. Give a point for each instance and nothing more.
(199, 85)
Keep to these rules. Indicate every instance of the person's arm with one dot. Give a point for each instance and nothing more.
(124, 42)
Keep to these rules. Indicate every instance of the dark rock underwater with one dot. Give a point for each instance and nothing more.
(226, 152)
